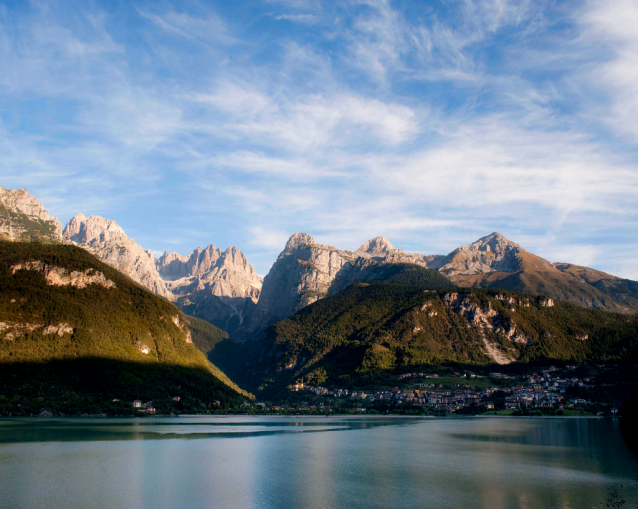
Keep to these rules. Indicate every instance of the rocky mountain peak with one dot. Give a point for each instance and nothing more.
(488, 254)
(107, 241)
(296, 241)
(234, 257)
(379, 246)
(495, 242)
(92, 229)
(18, 208)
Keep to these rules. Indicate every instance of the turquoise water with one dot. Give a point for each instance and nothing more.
(308, 462)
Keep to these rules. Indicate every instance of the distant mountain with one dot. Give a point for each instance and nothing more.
(306, 271)
(76, 332)
(371, 328)
(221, 287)
(24, 218)
(622, 290)
(495, 262)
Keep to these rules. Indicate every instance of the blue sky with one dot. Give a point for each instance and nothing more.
(431, 123)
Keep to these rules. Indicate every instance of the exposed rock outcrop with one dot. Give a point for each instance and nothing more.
(484, 318)
(12, 330)
(61, 277)
(60, 329)
(183, 327)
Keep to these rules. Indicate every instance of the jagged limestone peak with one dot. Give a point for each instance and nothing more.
(88, 230)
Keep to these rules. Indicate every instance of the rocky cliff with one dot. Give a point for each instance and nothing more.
(24, 218)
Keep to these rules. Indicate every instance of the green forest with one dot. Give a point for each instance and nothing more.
(138, 335)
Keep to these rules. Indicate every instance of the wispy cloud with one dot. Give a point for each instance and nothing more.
(209, 29)
(613, 25)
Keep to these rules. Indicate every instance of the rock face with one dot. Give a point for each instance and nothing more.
(107, 241)
(218, 286)
(24, 218)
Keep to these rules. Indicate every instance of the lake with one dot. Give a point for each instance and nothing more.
(313, 462)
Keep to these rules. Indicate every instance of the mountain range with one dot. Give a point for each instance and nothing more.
(224, 289)
(87, 314)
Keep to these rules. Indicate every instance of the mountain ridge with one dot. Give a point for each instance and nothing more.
(223, 288)
(307, 271)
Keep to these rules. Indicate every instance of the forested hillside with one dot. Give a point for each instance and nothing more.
(76, 334)
(369, 328)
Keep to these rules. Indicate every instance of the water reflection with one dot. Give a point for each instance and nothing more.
(313, 463)
(74, 429)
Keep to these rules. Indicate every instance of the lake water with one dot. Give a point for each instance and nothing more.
(308, 462)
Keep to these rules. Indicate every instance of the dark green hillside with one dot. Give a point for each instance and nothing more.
(406, 274)
(118, 320)
(229, 356)
(372, 328)
(204, 334)
(213, 341)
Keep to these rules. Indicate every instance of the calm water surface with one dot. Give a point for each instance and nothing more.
(308, 462)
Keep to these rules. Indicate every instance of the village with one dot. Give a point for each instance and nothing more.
(550, 389)
(545, 391)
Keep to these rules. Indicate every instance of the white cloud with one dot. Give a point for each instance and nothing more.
(300, 18)
(270, 239)
(613, 24)
(311, 121)
(496, 163)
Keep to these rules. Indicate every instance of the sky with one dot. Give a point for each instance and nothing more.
(432, 123)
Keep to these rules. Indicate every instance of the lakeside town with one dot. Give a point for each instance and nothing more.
(548, 391)
(571, 390)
